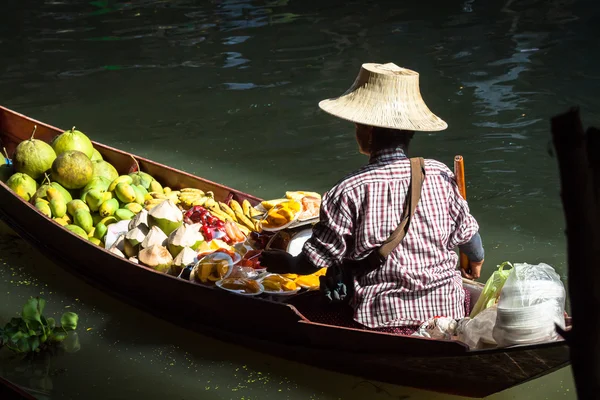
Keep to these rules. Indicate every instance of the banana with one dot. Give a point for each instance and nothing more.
(150, 206)
(192, 190)
(200, 202)
(236, 207)
(189, 199)
(210, 203)
(227, 210)
(243, 228)
(184, 192)
(153, 201)
(244, 220)
(156, 195)
(210, 194)
(167, 190)
(254, 212)
(246, 206)
(216, 211)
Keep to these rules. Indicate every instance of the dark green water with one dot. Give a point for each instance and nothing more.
(228, 90)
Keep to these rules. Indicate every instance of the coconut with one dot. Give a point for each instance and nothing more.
(41, 193)
(129, 249)
(134, 260)
(104, 169)
(154, 237)
(72, 169)
(185, 257)
(116, 251)
(185, 236)
(96, 155)
(23, 185)
(167, 216)
(119, 243)
(137, 235)
(156, 257)
(140, 219)
(33, 157)
(73, 140)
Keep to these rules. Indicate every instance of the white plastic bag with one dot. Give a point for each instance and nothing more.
(477, 332)
(531, 302)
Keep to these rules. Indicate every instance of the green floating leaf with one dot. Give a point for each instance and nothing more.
(68, 321)
(51, 323)
(32, 310)
(34, 343)
(17, 336)
(23, 345)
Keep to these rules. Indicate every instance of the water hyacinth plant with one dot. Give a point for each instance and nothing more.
(33, 332)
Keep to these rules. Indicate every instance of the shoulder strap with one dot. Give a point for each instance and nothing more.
(417, 176)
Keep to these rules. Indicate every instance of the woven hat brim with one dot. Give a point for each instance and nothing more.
(372, 116)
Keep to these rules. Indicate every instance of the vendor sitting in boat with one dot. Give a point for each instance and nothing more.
(419, 279)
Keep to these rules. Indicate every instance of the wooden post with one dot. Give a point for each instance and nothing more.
(459, 173)
(578, 156)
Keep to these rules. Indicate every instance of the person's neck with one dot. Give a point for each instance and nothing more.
(397, 150)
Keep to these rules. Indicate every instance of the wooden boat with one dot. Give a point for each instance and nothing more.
(273, 327)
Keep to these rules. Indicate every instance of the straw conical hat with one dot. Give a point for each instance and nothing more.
(387, 96)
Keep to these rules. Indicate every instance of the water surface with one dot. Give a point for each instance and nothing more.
(228, 90)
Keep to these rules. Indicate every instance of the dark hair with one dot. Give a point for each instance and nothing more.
(385, 138)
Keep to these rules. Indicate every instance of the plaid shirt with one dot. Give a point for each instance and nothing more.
(419, 279)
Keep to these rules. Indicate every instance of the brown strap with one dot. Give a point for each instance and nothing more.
(417, 176)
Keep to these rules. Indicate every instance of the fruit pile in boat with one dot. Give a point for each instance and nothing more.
(184, 232)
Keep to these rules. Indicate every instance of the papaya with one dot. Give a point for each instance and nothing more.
(77, 230)
(125, 192)
(120, 179)
(75, 205)
(58, 207)
(124, 214)
(108, 207)
(100, 230)
(83, 219)
(44, 208)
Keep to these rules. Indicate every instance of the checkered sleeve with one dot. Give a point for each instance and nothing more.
(464, 224)
(331, 235)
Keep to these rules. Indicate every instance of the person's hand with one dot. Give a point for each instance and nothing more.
(276, 261)
(473, 271)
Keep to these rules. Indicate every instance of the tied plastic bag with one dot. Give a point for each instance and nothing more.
(531, 302)
(492, 289)
(477, 332)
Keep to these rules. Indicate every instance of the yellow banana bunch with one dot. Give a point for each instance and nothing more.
(150, 204)
(241, 214)
(190, 197)
(173, 196)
